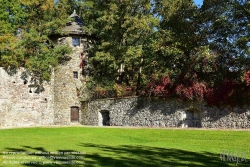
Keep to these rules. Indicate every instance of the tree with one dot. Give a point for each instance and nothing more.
(168, 48)
(123, 28)
(206, 51)
(180, 52)
(226, 26)
(24, 40)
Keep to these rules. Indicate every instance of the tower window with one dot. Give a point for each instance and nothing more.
(75, 41)
(75, 74)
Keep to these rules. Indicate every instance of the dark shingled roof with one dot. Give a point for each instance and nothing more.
(74, 27)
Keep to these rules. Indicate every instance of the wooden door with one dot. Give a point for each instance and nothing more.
(74, 114)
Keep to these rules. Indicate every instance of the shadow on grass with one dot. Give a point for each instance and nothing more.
(40, 157)
(125, 156)
(143, 156)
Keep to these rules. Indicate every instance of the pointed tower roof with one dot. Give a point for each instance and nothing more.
(72, 28)
(75, 25)
(74, 14)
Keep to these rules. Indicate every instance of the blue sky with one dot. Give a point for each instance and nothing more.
(198, 2)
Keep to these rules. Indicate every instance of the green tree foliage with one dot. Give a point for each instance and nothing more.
(226, 25)
(24, 36)
(206, 51)
(123, 28)
(179, 40)
(187, 52)
(168, 48)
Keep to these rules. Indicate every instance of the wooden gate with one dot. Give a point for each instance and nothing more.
(74, 114)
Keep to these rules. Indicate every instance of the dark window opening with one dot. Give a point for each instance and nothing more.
(75, 41)
(75, 74)
(193, 118)
(105, 118)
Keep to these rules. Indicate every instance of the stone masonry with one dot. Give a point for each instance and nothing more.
(66, 85)
(20, 105)
(163, 113)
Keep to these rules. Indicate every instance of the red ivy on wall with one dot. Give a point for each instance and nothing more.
(82, 64)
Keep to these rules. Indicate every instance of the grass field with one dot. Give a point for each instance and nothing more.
(132, 147)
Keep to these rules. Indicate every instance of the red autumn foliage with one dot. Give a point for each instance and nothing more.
(159, 87)
(195, 91)
(247, 78)
(228, 92)
(221, 94)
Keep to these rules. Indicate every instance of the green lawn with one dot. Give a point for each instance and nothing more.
(119, 147)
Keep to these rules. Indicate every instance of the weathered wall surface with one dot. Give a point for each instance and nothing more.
(134, 112)
(65, 95)
(66, 85)
(20, 105)
(227, 117)
(143, 112)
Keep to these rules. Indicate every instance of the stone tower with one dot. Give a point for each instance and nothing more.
(70, 76)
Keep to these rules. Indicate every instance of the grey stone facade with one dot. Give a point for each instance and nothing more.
(20, 105)
(226, 117)
(58, 103)
(66, 84)
(162, 113)
(69, 78)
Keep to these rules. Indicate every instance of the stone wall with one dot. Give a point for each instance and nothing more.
(21, 104)
(226, 117)
(162, 113)
(134, 112)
